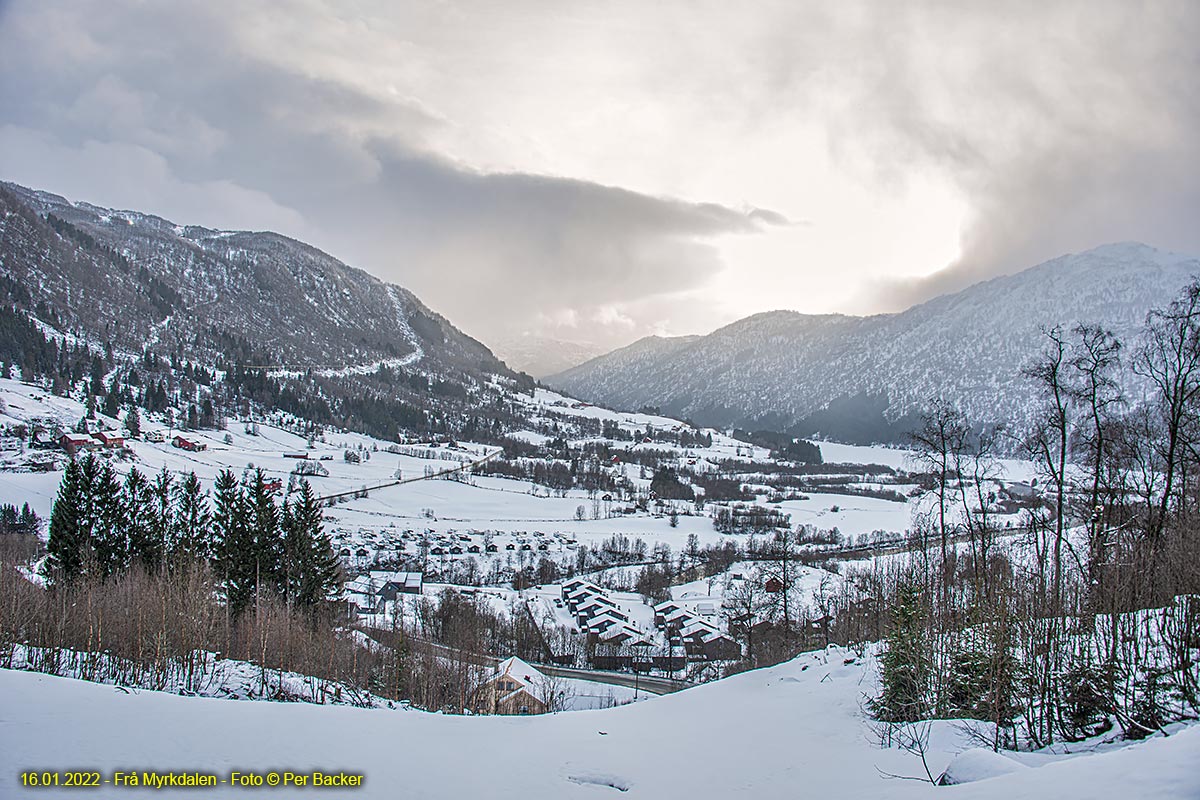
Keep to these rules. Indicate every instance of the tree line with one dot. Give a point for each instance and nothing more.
(1088, 619)
(102, 525)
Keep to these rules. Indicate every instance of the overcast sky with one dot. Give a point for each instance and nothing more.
(599, 171)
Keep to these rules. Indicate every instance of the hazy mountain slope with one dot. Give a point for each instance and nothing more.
(540, 356)
(133, 279)
(821, 373)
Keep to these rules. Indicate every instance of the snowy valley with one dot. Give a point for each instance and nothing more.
(389, 554)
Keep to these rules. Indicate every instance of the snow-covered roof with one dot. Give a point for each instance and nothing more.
(698, 627)
(682, 613)
(362, 585)
(623, 632)
(410, 580)
(605, 620)
(596, 602)
(516, 668)
(587, 590)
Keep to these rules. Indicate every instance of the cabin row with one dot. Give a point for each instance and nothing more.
(600, 617)
(699, 638)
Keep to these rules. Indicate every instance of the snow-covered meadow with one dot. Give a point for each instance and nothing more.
(795, 730)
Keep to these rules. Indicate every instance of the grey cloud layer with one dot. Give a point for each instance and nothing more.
(158, 106)
(1063, 125)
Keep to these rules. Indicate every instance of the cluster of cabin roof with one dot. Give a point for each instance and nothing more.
(450, 543)
(689, 629)
(76, 442)
(600, 617)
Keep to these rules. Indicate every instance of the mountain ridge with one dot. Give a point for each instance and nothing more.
(803, 372)
(285, 322)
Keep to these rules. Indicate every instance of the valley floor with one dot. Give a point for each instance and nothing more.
(796, 730)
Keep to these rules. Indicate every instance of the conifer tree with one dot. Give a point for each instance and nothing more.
(107, 524)
(311, 564)
(137, 518)
(905, 668)
(192, 518)
(112, 400)
(160, 518)
(133, 422)
(28, 521)
(232, 543)
(68, 545)
(266, 551)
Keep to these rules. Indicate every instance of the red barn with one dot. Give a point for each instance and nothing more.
(188, 444)
(74, 442)
(110, 440)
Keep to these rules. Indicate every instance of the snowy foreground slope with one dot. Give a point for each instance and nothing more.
(790, 731)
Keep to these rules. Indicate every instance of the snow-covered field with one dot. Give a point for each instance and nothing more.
(500, 523)
(796, 730)
(495, 510)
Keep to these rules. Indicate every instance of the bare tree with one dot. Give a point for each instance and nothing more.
(1095, 359)
(939, 441)
(1170, 359)
(744, 608)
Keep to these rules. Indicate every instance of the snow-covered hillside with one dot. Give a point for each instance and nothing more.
(829, 373)
(796, 730)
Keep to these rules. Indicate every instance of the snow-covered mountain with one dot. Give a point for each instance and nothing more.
(132, 279)
(863, 377)
(293, 328)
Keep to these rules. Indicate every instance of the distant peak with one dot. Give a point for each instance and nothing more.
(1122, 248)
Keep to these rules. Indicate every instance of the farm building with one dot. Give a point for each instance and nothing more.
(76, 442)
(191, 445)
(110, 440)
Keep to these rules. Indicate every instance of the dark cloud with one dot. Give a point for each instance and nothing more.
(1061, 125)
(160, 107)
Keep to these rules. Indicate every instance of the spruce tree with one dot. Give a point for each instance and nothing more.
(68, 544)
(9, 522)
(193, 519)
(28, 521)
(312, 570)
(161, 525)
(112, 400)
(232, 543)
(137, 520)
(265, 535)
(89, 508)
(905, 667)
(133, 422)
(108, 530)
